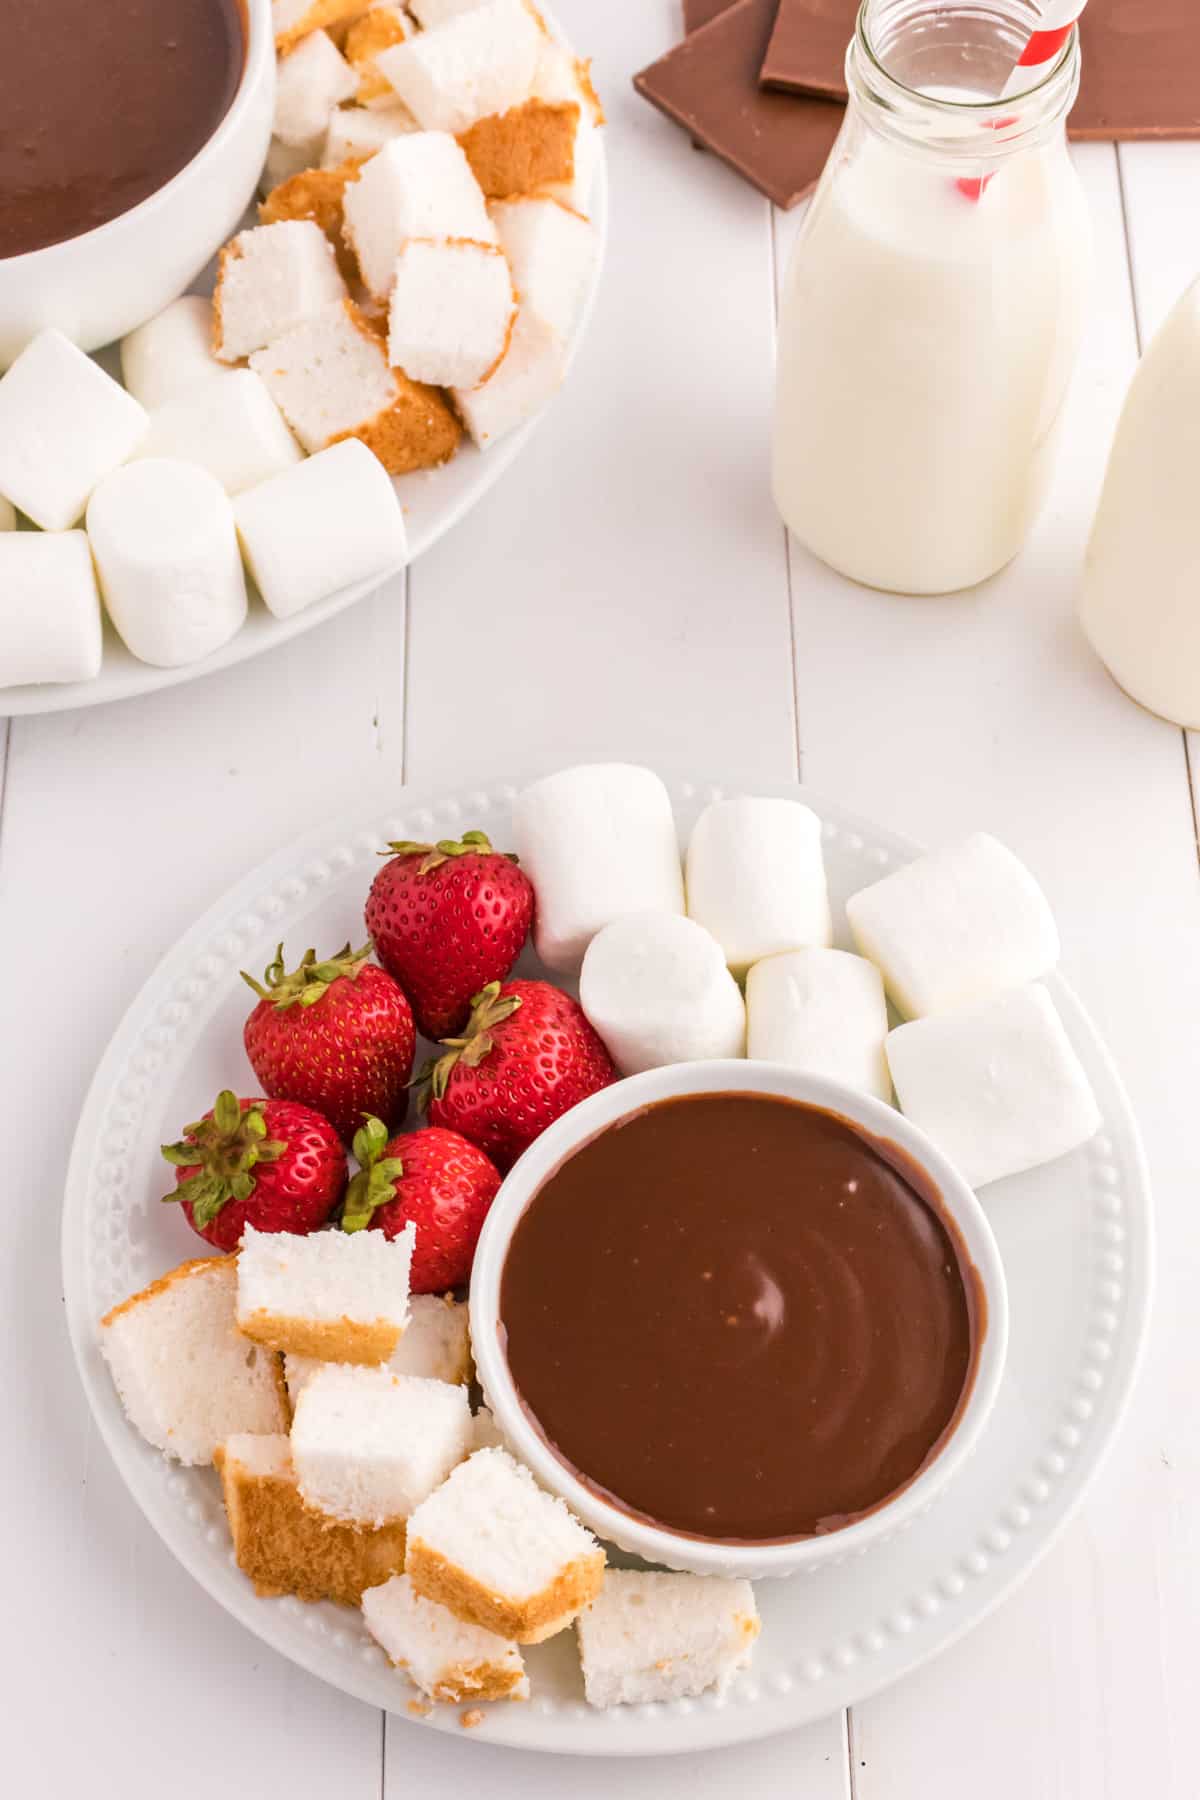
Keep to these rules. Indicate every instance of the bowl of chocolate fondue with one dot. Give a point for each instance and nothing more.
(132, 144)
(744, 1320)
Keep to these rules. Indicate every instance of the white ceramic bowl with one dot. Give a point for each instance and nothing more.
(656, 1544)
(101, 284)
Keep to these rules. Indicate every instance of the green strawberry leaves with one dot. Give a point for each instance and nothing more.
(224, 1149)
(471, 842)
(488, 1009)
(374, 1185)
(310, 981)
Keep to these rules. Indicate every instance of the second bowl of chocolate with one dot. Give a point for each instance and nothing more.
(744, 1320)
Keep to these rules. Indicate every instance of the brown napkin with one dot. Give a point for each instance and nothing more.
(709, 85)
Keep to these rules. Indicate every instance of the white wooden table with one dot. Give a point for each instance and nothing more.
(627, 588)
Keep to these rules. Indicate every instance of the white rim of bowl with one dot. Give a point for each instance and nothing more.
(658, 1544)
(256, 66)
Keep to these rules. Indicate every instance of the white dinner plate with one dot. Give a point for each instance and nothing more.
(434, 500)
(1075, 1237)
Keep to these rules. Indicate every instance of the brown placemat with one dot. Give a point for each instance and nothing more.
(807, 49)
(1140, 75)
(709, 85)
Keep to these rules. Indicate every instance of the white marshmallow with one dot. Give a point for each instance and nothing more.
(756, 878)
(167, 557)
(232, 428)
(528, 375)
(271, 278)
(321, 526)
(656, 988)
(8, 515)
(956, 926)
(998, 1087)
(354, 133)
(171, 352)
(451, 311)
(552, 253)
(49, 608)
(285, 160)
(596, 841)
(822, 1011)
(64, 424)
(479, 63)
(419, 185)
(310, 81)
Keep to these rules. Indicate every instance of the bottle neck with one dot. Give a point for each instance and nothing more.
(931, 75)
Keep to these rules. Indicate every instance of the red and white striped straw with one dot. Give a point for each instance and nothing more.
(1058, 20)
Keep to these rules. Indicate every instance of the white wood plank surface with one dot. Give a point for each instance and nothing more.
(626, 589)
(989, 710)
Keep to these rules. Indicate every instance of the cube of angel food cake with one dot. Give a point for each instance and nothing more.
(451, 311)
(378, 29)
(269, 279)
(552, 252)
(500, 1552)
(435, 1344)
(356, 134)
(283, 1547)
(330, 379)
(445, 1657)
(419, 185)
(318, 195)
(526, 150)
(186, 1376)
(295, 19)
(369, 1446)
(338, 1295)
(311, 80)
(286, 160)
(529, 373)
(650, 1636)
(480, 62)
(561, 78)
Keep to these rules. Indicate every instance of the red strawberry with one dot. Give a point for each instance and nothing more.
(337, 1035)
(446, 919)
(527, 1056)
(267, 1163)
(436, 1179)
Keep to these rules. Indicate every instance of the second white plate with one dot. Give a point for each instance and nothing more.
(1075, 1237)
(434, 501)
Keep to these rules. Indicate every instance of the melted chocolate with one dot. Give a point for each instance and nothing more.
(101, 102)
(741, 1317)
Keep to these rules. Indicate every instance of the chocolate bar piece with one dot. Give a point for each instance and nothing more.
(1141, 71)
(1141, 63)
(709, 85)
(807, 50)
(699, 12)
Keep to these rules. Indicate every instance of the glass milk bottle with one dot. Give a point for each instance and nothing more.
(1140, 600)
(933, 306)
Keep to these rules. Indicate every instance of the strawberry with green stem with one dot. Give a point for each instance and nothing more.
(337, 1035)
(446, 920)
(272, 1164)
(528, 1055)
(434, 1179)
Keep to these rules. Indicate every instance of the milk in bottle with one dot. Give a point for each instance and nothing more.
(1140, 602)
(932, 311)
